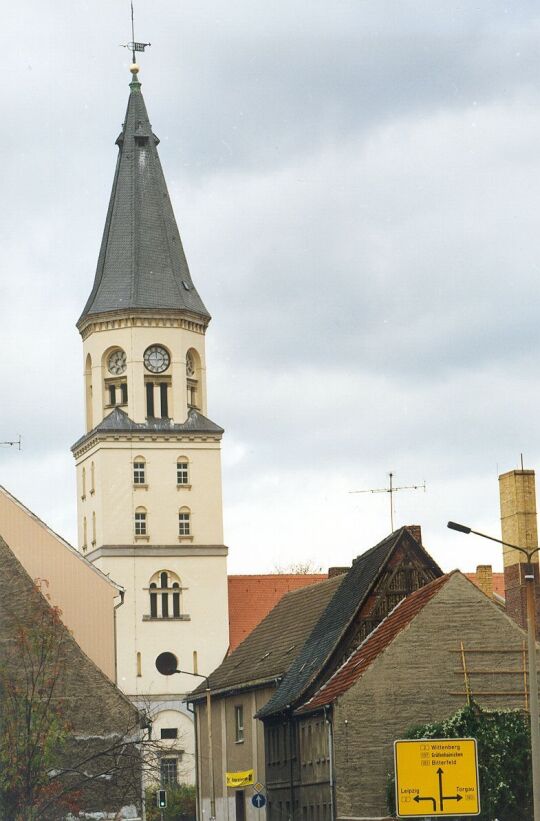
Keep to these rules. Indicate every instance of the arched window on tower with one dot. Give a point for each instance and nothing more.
(193, 381)
(165, 592)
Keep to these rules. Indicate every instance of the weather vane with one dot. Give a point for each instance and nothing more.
(134, 45)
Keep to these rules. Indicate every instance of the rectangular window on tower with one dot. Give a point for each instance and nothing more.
(182, 476)
(124, 393)
(139, 473)
(164, 398)
(150, 399)
(140, 523)
(184, 528)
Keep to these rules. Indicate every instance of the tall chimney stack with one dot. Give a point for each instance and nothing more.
(518, 526)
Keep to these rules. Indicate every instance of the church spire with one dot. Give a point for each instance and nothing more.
(141, 264)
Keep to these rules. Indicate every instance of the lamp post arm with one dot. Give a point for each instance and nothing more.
(198, 675)
(463, 529)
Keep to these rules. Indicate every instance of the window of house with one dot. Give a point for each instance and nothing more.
(184, 523)
(140, 523)
(182, 473)
(139, 472)
(92, 478)
(83, 477)
(239, 723)
(93, 527)
(169, 771)
(169, 732)
(85, 534)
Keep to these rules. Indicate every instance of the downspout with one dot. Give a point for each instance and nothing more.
(292, 729)
(197, 780)
(122, 593)
(328, 719)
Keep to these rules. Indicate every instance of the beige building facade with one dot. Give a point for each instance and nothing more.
(148, 465)
(67, 579)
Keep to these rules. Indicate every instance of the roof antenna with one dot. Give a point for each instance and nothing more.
(522, 468)
(17, 442)
(134, 45)
(391, 490)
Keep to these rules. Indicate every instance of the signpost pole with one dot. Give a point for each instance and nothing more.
(533, 687)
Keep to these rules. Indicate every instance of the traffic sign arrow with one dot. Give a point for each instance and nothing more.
(443, 798)
(419, 798)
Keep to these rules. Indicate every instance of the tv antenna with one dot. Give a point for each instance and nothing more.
(391, 490)
(134, 45)
(11, 444)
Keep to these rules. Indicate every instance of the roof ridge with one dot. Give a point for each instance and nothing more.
(424, 593)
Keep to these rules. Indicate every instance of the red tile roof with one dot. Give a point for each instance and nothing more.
(251, 598)
(498, 582)
(377, 641)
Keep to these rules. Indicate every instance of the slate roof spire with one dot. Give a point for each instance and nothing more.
(141, 264)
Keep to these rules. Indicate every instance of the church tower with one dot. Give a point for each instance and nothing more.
(148, 466)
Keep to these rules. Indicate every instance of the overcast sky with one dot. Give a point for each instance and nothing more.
(357, 186)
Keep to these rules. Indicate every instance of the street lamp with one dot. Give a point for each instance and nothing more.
(166, 665)
(531, 650)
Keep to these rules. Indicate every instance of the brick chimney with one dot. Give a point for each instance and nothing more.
(416, 532)
(484, 579)
(518, 526)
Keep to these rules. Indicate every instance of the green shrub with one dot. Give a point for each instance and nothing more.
(180, 802)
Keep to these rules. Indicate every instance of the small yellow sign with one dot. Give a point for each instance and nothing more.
(436, 776)
(242, 779)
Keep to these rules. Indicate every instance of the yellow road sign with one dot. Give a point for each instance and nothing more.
(436, 776)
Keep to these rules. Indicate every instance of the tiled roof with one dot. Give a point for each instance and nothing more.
(251, 598)
(377, 641)
(498, 582)
(268, 651)
(118, 421)
(335, 620)
(141, 263)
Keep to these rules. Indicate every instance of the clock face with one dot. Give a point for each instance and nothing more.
(156, 359)
(117, 362)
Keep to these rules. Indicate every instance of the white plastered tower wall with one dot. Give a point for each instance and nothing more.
(149, 464)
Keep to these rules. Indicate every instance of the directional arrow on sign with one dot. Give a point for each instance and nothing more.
(419, 798)
(443, 798)
(258, 800)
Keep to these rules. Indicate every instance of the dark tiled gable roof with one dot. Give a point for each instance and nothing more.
(119, 422)
(377, 641)
(334, 621)
(269, 650)
(141, 263)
